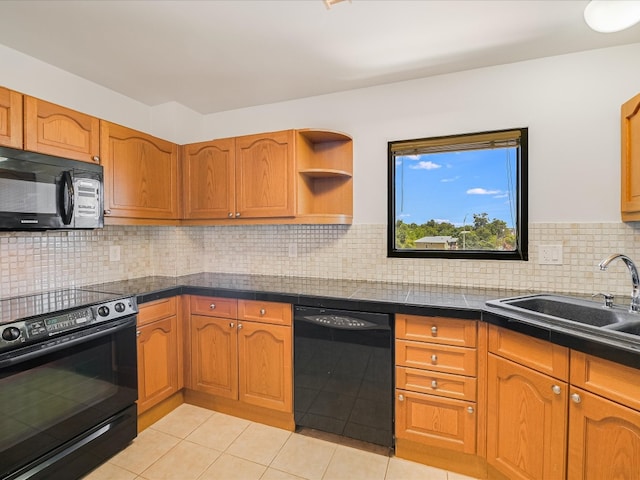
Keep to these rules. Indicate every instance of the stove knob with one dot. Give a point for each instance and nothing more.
(103, 311)
(11, 333)
(119, 307)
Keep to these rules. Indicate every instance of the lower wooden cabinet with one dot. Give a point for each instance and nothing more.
(214, 354)
(159, 362)
(265, 365)
(239, 359)
(604, 438)
(436, 421)
(527, 421)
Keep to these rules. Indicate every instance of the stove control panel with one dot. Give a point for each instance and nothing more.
(32, 330)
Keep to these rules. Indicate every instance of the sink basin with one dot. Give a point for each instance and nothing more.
(632, 327)
(561, 309)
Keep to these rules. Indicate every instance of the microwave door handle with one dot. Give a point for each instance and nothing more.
(66, 198)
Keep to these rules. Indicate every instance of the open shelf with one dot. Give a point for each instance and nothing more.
(324, 162)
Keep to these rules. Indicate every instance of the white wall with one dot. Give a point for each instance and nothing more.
(570, 104)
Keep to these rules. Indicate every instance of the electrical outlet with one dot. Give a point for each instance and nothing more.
(114, 253)
(550, 255)
(293, 250)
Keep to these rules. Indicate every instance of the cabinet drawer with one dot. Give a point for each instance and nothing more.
(265, 312)
(449, 331)
(152, 311)
(436, 421)
(440, 358)
(609, 379)
(436, 383)
(214, 306)
(534, 353)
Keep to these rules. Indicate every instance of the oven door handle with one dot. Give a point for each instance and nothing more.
(36, 351)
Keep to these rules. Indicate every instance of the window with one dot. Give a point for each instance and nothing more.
(461, 196)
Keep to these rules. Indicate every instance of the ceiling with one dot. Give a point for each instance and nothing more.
(212, 56)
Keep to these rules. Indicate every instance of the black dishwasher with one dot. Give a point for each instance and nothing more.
(343, 375)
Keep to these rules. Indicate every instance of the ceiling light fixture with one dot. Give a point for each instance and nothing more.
(607, 16)
(330, 3)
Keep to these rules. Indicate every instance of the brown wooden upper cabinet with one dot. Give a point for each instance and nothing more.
(140, 177)
(630, 148)
(10, 118)
(291, 176)
(238, 178)
(60, 131)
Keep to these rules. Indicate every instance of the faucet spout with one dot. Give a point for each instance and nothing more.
(635, 278)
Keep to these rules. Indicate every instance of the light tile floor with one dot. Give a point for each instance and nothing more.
(195, 443)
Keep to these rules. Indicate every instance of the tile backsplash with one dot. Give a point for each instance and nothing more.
(32, 262)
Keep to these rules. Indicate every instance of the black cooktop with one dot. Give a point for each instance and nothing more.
(18, 308)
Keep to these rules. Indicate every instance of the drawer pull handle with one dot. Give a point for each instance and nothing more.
(434, 358)
(230, 215)
(239, 326)
(470, 409)
(556, 389)
(400, 397)
(231, 324)
(434, 384)
(96, 159)
(576, 398)
(237, 214)
(263, 312)
(212, 306)
(434, 330)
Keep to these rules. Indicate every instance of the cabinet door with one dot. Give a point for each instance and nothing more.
(526, 421)
(60, 131)
(264, 357)
(630, 167)
(10, 118)
(214, 356)
(140, 174)
(264, 175)
(157, 362)
(436, 421)
(604, 438)
(209, 179)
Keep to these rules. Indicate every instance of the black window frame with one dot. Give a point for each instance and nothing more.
(522, 194)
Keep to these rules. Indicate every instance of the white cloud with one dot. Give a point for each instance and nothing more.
(482, 191)
(425, 165)
(404, 215)
(453, 179)
(502, 195)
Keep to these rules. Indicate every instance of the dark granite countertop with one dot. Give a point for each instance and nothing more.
(466, 303)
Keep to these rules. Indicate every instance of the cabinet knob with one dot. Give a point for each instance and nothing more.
(556, 389)
(434, 384)
(137, 333)
(434, 358)
(107, 212)
(239, 326)
(96, 159)
(230, 215)
(434, 330)
(576, 398)
(263, 312)
(231, 324)
(237, 214)
(401, 398)
(470, 409)
(212, 306)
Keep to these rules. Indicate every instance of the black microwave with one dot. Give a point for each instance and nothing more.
(43, 192)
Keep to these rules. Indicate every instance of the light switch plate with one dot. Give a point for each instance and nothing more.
(550, 255)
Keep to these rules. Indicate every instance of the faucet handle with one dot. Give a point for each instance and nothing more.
(608, 299)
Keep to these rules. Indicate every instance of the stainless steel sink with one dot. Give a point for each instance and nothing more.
(567, 311)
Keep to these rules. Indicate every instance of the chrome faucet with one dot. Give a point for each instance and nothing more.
(635, 278)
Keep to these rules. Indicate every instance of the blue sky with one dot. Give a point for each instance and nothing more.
(450, 186)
